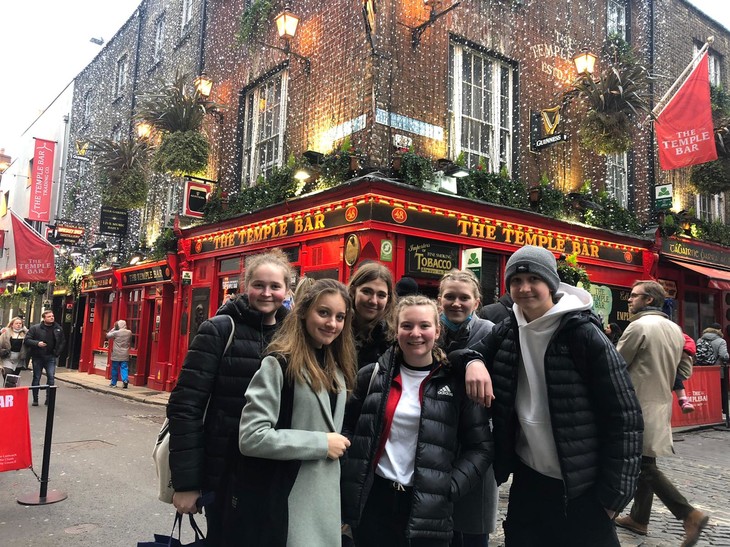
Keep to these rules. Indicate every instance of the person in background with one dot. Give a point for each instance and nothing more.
(684, 371)
(475, 514)
(406, 286)
(652, 347)
(314, 355)
(613, 331)
(371, 291)
(122, 341)
(12, 351)
(45, 342)
(498, 310)
(713, 335)
(216, 380)
(418, 443)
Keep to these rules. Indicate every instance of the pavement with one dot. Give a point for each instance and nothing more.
(700, 470)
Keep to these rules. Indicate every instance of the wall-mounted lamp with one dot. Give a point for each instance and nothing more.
(98, 246)
(585, 62)
(286, 26)
(136, 258)
(144, 130)
(432, 18)
(76, 253)
(203, 85)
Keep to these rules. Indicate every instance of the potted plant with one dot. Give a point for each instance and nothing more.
(570, 272)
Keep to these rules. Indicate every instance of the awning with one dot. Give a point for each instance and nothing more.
(719, 279)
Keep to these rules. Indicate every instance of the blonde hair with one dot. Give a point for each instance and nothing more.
(13, 320)
(305, 283)
(293, 342)
(365, 273)
(462, 276)
(274, 257)
(419, 300)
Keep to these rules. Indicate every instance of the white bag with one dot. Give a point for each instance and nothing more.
(161, 451)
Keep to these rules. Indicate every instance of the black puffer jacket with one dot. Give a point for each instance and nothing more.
(595, 415)
(369, 351)
(448, 421)
(197, 450)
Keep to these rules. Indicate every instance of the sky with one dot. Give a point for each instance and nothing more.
(44, 44)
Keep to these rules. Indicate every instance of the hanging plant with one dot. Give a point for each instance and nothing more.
(255, 22)
(182, 153)
(165, 243)
(570, 272)
(416, 170)
(122, 168)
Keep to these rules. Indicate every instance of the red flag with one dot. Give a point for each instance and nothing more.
(684, 129)
(34, 259)
(41, 181)
(15, 441)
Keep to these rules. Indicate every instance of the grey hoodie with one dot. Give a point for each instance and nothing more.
(122, 337)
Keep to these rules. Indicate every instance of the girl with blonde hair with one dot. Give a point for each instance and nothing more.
(12, 349)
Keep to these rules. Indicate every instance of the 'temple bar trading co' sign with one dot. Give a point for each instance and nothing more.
(41, 181)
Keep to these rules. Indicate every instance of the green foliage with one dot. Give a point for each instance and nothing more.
(552, 200)
(480, 184)
(123, 174)
(712, 177)
(715, 232)
(128, 192)
(612, 216)
(182, 153)
(165, 243)
(255, 22)
(171, 108)
(572, 273)
(335, 167)
(416, 170)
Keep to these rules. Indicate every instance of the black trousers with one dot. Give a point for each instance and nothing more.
(384, 519)
(537, 516)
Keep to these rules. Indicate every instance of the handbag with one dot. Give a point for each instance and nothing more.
(172, 541)
(161, 451)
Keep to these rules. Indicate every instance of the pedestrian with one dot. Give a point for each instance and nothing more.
(45, 342)
(475, 514)
(205, 406)
(121, 338)
(497, 311)
(652, 347)
(684, 371)
(712, 336)
(567, 423)
(371, 291)
(406, 286)
(12, 350)
(613, 331)
(286, 491)
(418, 443)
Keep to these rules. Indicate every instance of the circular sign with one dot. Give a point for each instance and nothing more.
(350, 214)
(399, 215)
(352, 249)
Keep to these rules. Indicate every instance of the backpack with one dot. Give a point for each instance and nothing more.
(705, 353)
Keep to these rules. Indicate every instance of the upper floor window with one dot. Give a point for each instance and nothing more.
(616, 18)
(117, 133)
(187, 13)
(480, 104)
(87, 107)
(159, 39)
(617, 178)
(710, 207)
(264, 122)
(715, 62)
(121, 81)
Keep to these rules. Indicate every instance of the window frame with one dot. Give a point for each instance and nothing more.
(710, 207)
(186, 15)
(618, 24)
(159, 39)
(619, 163)
(120, 82)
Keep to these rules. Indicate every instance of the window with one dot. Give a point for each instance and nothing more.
(715, 61)
(480, 105)
(616, 18)
(159, 39)
(117, 133)
(264, 122)
(187, 13)
(710, 207)
(121, 81)
(135, 299)
(87, 107)
(617, 180)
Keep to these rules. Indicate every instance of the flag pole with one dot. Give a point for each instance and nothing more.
(660, 105)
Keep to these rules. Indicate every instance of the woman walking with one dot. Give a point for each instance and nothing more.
(12, 350)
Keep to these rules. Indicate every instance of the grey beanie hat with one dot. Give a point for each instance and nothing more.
(535, 260)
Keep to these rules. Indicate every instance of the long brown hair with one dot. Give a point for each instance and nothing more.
(365, 273)
(292, 341)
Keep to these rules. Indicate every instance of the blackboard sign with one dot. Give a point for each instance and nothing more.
(428, 259)
(113, 221)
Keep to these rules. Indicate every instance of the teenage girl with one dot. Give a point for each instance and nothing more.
(418, 443)
(199, 438)
(371, 291)
(475, 515)
(295, 500)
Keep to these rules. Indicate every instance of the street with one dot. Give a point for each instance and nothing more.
(102, 459)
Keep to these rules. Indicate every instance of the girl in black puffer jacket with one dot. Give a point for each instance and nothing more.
(418, 443)
(199, 439)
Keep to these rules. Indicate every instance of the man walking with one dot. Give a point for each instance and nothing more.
(45, 342)
(652, 347)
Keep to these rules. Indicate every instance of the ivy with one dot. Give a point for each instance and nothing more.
(255, 22)
(416, 170)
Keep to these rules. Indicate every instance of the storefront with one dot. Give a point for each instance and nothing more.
(98, 302)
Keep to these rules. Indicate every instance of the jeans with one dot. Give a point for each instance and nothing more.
(116, 366)
(652, 481)
(40, 362)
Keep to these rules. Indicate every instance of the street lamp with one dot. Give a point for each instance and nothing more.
(585, 62)
(144, 130)
(203, 85)
(286, 24)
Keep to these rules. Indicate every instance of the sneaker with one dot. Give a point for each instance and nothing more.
(35, 403)
(112, 385)
(125, 384)
(630, 524)
(693, 526)
(687, 407)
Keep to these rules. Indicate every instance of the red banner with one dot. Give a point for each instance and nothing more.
(41, 180)
(34, 259)
(703, 391)
(684, 129)
(15, 452)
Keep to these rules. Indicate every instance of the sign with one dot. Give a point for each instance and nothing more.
(41, 180)
(195, 198)
(113, 221)
(187, 277)
(543, 125)
(152, 274)
(472, 258)
(92, 283)
(427, 259)
(15, 451)
(34, 260)
(64, 234)
(703, 391)
(662, 196)
(695, 253)
(352, 249)
(386, 250)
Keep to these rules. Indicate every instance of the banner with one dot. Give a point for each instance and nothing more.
(15, 452)
(703, 391)
(34, 260)
(41, 181)
(684, 129)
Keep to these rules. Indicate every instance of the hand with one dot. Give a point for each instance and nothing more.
(479, 383)
(42, 344)
(336, 445)
(611, 514)
(186, 502)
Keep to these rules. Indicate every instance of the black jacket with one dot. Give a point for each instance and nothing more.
(596, 417)
(449, 421)
(197, 449)
(499, 311)
(43, 333)
(369, 351)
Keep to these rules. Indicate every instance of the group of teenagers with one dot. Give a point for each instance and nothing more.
(395, 419)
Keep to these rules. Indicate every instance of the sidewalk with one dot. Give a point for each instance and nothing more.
(99, 383)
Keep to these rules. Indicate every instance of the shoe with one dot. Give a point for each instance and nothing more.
(35, 403)
(630, 524)
(693, 526)
(687, 407)
(112, 385)
(125, 384)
